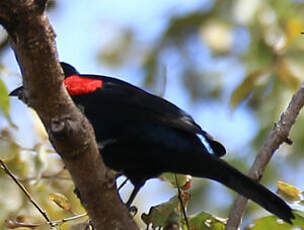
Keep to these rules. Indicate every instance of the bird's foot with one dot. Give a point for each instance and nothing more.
(133, 211)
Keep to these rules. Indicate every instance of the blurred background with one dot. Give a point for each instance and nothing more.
(232, 65)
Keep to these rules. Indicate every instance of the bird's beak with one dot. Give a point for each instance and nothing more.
(16, 92)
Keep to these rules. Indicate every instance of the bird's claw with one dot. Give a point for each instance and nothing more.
(133, 210)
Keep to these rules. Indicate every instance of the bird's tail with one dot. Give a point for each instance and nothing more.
(218, 170)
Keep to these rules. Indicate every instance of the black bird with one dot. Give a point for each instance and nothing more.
(143, 135)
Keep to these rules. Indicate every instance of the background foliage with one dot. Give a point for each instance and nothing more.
(233, 65)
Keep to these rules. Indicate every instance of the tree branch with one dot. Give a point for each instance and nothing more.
(33, 41)
(277, 136)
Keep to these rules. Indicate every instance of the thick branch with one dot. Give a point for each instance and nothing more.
(278, 135)
(71, 134)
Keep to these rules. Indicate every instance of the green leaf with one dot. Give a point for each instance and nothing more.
(183, 181)
(4, 100)
(168, 212)
(272, 222)
(285, 74)
(246, 87)
(289, 192)
(205, 221)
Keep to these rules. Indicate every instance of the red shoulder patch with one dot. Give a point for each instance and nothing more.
(77, 85)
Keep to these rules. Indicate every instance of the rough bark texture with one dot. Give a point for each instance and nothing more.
(33, 41)
(278, 135)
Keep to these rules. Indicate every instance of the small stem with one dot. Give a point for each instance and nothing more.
(68, 219)
(27, 194)
(16, 224)
(182, 203)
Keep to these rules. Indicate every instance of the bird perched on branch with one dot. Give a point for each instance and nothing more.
(143, 135)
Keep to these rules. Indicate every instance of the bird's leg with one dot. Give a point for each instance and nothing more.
(133, 195)
(122, 184)
(133, 209)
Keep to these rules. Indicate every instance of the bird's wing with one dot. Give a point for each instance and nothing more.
(135, 103)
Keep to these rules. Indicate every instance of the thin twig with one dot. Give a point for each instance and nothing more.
(68, 219)
(181, 202)
(17, 224)
(277, 136)
(27, 194)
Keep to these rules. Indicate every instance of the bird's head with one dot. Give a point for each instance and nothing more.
(68, 70)
(74, 82)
